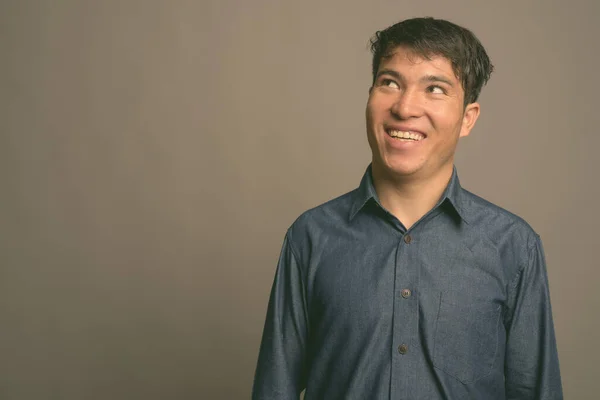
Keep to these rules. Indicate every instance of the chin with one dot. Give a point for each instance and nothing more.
(399, 169)
(403, 172)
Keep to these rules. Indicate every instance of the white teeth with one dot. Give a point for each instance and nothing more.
(406, 135)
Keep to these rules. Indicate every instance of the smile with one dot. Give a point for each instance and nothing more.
(406, 135)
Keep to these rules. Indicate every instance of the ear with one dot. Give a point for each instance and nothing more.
(469, 118)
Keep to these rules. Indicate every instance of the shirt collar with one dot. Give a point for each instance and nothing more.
(366, 191)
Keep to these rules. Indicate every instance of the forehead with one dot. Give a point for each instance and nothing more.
(402, 57)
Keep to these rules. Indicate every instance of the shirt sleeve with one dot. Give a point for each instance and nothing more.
(531, 368)
(281, 370)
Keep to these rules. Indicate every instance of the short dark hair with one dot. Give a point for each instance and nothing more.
(437, 37)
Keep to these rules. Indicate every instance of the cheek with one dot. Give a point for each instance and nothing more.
(375, 111)
(445, 118)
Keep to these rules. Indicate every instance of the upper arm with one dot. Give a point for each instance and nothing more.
(531, 369)
(281, 369)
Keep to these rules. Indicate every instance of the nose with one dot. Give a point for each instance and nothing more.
(407, 105)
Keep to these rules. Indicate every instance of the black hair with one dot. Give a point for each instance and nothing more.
(437, 37)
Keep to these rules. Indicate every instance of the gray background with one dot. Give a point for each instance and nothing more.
(153, 153)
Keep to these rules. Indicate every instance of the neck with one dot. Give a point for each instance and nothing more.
(410, 198)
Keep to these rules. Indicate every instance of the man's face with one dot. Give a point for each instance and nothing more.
(415, 115)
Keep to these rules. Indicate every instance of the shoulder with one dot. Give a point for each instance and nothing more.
(332, 212)
(317, 223)
(511, 234)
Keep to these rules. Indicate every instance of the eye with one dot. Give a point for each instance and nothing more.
(389, 83)
(436, 89)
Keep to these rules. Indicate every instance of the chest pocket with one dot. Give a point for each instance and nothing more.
(466, 337)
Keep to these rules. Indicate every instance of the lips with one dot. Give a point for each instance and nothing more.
(405, 134)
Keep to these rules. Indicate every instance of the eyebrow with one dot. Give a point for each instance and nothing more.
(426, 78)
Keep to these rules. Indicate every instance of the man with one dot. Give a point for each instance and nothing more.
(410, 287)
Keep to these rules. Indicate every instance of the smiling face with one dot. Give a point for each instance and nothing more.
(415, 115)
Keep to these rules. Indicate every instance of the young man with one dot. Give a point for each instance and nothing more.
(410, 287)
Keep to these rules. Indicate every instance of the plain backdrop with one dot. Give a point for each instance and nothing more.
(153, 154)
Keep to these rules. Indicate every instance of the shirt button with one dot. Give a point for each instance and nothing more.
(402, 349)
(405, 293)
(407, 239)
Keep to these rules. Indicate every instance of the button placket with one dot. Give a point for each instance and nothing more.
(405, 314)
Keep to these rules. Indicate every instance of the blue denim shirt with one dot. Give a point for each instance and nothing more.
(456, 307)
